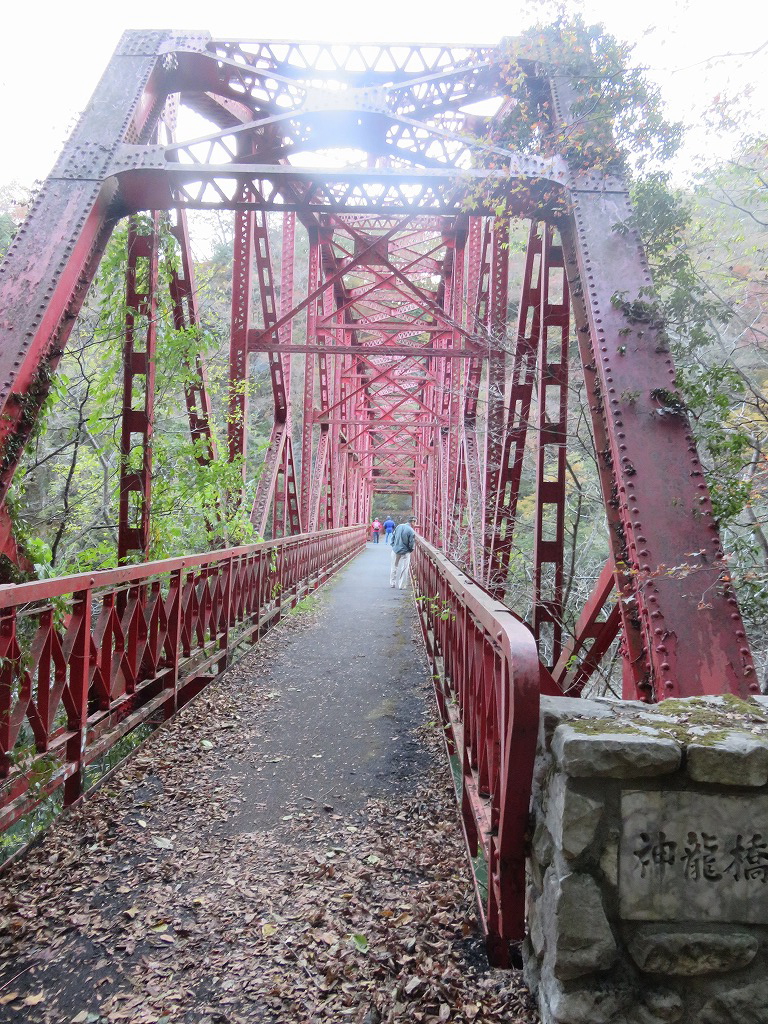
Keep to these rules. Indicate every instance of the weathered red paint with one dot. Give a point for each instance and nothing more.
(410, 387)
(486, 675)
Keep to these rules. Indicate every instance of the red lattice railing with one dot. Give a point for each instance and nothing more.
(486, 673)
(86, 659)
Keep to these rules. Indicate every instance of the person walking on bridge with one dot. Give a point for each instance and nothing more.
(389, 529)
(376, 527)
(403, 543)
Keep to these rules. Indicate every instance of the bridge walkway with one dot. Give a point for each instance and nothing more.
(286, 849)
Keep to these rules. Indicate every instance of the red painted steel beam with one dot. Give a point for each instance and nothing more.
(636, 670)
(693, 637)
(139, 366)
(518, 411)
(186, 316)
(151, 177)
(486, 676)
(393, 257)
(496, 327)
(692, 633)
(54, 256)
(552, 440)
(591, 638)
(242, 290)
(262, 262)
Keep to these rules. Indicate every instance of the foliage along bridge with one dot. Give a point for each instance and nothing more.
(393, 162)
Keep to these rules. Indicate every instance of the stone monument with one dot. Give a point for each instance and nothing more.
(648, 873)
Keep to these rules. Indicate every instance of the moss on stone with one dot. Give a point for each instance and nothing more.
(692, 712)
(603, 726)
(726, 702)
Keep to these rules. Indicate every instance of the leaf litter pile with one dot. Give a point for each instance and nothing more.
(143, 906)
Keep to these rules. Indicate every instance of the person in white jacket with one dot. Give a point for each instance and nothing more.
(403, 542)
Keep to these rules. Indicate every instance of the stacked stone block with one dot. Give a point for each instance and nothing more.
(648, 873)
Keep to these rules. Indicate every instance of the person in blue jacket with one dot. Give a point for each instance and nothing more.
(389, 529)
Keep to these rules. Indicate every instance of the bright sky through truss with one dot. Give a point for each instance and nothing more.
(53, 56)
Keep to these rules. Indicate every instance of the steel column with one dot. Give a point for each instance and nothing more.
(549, 531)
(139, 369)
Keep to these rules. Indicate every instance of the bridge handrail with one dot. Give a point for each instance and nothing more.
(86, 659)
(36, 590)
(486, 674)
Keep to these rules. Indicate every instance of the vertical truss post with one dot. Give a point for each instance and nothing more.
(242, 274)
(186, 317)
(480, 241)
(479, 280)
(336, 395)
(139, 354)
(461, 551)
(549, 530)
(262, 257)
(497, 335)
(452, 407)
(285, 505)
(314, 311)
(426, 477)
(293, 522)
(452, 395)
(274, 500)
(319, 480)
(518, 410)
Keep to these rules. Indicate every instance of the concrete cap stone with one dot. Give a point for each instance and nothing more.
(734, 759)
(619, 755)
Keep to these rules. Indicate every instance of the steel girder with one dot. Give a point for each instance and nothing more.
(139, 362)
(403, 373)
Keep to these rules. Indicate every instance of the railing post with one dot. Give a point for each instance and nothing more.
(174, 640)
(77, 709)
(225, 617)
(8, 655)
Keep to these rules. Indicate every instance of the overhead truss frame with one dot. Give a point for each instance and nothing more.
(393, 370)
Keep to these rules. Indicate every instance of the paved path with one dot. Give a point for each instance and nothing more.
(352, 692)
(286, 849)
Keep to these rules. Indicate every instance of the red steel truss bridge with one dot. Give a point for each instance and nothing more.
(396, 369)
